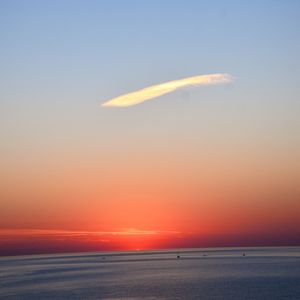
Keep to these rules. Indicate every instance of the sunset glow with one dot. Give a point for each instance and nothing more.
(214, 162)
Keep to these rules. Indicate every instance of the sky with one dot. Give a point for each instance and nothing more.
(201, 166)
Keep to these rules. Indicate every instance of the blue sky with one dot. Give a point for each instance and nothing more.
(119, 45)
(60, 58)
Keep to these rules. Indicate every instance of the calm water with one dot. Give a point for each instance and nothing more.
(263, 273)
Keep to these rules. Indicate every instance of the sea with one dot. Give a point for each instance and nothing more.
(206, 273)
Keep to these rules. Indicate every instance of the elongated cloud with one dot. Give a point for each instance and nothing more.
(8, 233)
(165, 88)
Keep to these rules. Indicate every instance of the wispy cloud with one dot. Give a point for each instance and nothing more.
(4, 233)
(165, 88)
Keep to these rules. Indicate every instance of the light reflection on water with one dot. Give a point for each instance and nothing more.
(263, 273)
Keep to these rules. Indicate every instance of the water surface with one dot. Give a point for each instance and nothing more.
(227, 273)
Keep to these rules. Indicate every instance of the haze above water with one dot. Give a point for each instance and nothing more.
(263, 273)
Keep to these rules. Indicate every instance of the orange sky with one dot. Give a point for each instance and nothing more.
(181, 199)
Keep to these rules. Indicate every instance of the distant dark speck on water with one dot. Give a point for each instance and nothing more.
(178, 256)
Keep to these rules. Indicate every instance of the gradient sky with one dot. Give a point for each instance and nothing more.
(207, 166)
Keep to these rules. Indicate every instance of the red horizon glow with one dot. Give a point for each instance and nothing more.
(20, 241)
